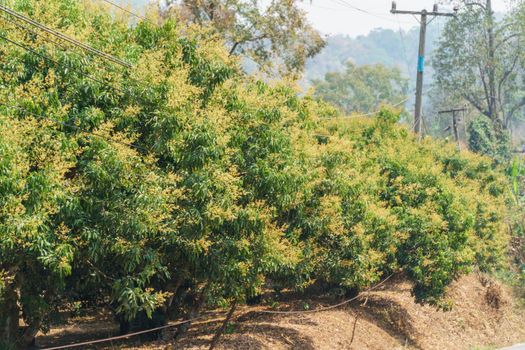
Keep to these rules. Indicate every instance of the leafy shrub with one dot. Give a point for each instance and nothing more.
(487, 139)
(181, 182)
(398, 204)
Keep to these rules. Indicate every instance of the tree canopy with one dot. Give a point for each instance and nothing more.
(276, 35)
(181, 182)
(479, 60)
(362, 88)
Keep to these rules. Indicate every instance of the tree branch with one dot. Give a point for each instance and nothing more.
(485, 87)
(221, 330)
(248, 40)
(504, 40)
(473, 102)
(516, 108)
(234, 47)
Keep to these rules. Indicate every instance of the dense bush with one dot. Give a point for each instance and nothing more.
(420, 207)
(487, 138)
(181, 182)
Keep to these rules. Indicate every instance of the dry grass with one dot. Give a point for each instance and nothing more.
(484, 315)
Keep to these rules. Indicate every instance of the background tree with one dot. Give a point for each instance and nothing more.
(362, 88)
(479, 60)
(276, 36)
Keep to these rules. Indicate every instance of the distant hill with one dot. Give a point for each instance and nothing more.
(384, 46)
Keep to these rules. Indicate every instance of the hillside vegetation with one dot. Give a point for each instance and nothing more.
(393, 49)
(182, 183)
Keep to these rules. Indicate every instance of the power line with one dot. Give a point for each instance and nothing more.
(29, 30)
(21, 26)
(55, 62)
(29, 49)
(47, 58)
(54, 42)
(126, 10)
(64, 37)
(329, 8)
(349, 5)
(367, 12)
(403, 45)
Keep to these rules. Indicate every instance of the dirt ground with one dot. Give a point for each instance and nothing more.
(484, 316)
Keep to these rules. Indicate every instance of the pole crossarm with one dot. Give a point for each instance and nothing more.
(452, 110)
(455, 122)
(428, 13)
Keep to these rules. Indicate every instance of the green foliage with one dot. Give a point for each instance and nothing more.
(425, 209)
(516, 172)
(181, 181)
(484, 138)
(362, 89)
(275, 35)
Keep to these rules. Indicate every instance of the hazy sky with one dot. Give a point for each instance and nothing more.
(337, 16)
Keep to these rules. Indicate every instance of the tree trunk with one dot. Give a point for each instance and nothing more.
(28, 338)
(193, 313)
(9, 317)
(221, 330)
(493, 100)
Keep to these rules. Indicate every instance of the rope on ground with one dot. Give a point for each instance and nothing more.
(123, 336)
(357, 319)
(328, 307)
(197, 318)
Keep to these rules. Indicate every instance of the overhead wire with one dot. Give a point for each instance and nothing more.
(122, 8)
(367, 12)
(29, 30)
(349, 5)
(64, 37)
(58, 64)
(403, 45)
(63, 47)
(329, 8)
(50, 40)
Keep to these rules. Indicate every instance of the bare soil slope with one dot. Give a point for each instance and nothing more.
(484, 315)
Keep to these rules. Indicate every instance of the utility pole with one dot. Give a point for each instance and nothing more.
(421, 56)
(455, 122)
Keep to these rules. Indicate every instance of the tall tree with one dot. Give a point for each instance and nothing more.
(277, 36)
(479, 60)
(362, 89)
